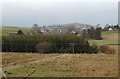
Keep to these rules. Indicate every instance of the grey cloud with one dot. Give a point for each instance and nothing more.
(60, 13)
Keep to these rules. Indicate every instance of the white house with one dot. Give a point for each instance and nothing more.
(110, 29)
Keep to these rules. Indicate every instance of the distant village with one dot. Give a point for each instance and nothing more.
(73, 28)
(63, 29)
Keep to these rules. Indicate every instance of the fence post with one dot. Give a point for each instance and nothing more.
(73, 56)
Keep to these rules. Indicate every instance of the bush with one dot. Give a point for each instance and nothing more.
(107, 50)
(20, 32)
(94, 47)
(43, 47)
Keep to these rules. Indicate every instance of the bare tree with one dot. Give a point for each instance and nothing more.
(36, 30)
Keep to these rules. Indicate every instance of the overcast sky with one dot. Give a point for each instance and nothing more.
(25, 13)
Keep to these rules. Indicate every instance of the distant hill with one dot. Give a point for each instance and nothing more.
(76, 25)
(7, 29)
(79, 25)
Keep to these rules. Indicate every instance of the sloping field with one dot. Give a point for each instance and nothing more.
(7, 29)
(109, 37)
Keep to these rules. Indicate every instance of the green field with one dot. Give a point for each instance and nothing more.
(109, 37)
(7, 29)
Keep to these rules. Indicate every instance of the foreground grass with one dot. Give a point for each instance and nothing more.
(60, 65)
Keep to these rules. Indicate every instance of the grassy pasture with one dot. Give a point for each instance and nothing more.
(109, 37)
(7, 29)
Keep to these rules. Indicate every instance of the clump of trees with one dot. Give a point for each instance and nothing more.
(93, 33)
(19, 32)
(113, 27)
(36, 30)
(46, 44)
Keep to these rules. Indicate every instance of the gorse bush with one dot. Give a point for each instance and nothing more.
(46, 44)
(94, 47)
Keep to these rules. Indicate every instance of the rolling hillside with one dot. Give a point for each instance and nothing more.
(63, 65)
(7, 29)
(109, 37)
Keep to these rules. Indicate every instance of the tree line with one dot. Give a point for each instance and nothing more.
(92, 33)
(46, 44)
(113, 27)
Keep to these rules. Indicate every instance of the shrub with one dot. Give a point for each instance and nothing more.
(43, 47)
(20, 32)
(107, 50)
(94, 47)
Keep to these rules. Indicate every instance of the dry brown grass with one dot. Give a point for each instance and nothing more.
(11, 59)
(82, 65)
